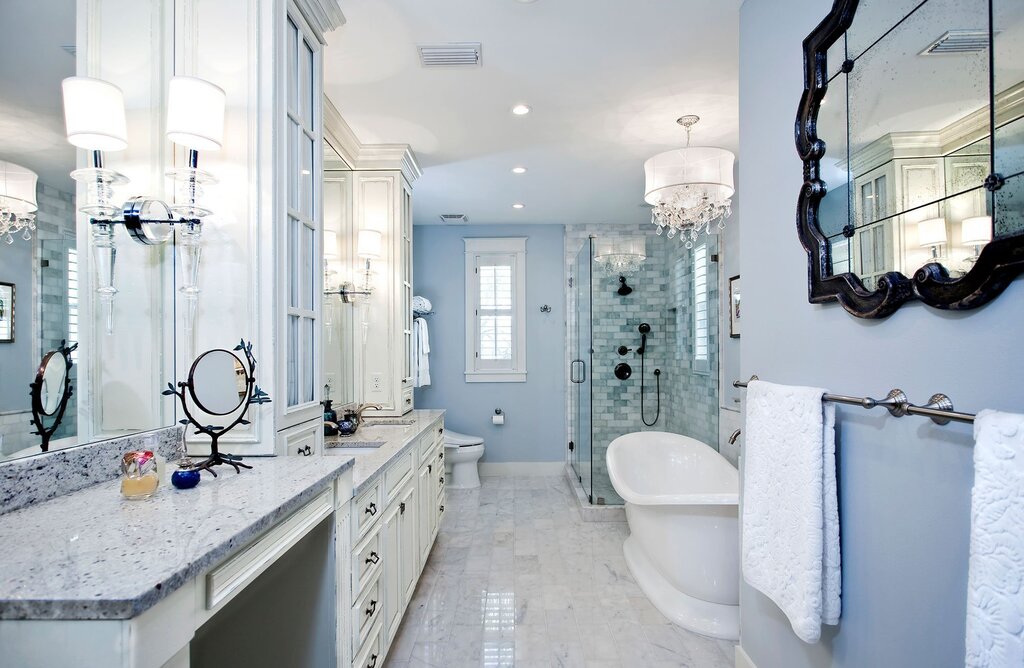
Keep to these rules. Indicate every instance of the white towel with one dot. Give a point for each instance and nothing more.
(995, 581)
(420, 353)
(790, 507)
(421, 305)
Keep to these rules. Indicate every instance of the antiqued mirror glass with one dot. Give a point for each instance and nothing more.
(918, 107)
(115, 376)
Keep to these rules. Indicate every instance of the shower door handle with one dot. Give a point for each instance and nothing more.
(583, 372)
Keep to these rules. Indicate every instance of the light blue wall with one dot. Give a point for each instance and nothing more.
(18, 360)
(904, 484)
(534, 429)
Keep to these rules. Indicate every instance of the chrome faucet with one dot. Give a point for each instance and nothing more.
(733, 437)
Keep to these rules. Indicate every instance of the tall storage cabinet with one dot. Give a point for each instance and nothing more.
(383, 202)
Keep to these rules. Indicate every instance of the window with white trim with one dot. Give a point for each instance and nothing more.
(701, 356)
(72, 299)
(496, 310)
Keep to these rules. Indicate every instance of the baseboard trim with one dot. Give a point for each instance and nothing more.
(742, 659)
(496, 469)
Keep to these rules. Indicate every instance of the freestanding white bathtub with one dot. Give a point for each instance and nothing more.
(682, 500)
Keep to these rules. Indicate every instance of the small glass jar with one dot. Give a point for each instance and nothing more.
(140, 474)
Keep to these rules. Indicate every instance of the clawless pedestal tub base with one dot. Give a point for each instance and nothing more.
(711, 619)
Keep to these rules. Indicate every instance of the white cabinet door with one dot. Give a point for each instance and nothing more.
(409, 545)
(391, 578)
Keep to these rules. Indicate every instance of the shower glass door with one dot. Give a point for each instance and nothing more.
(579, 368)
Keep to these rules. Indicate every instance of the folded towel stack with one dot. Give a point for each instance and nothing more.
(790, 521)
(421, 305)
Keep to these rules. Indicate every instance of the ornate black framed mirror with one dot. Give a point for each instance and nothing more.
(50, 392)
(911, 131)
(220, 383)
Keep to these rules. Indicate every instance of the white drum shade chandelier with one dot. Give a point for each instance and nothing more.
(17, 201)
(690, 188)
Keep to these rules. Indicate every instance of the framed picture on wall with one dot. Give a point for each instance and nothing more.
(6, 312)
(734, 307)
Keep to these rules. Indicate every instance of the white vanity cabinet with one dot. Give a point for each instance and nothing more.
(394, 523)
(383, 202)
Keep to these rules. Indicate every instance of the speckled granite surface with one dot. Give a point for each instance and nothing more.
(94, 555)
(48, 475)
(398, 439)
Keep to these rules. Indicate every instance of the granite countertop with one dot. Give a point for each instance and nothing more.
(92, 554)
(397, 439)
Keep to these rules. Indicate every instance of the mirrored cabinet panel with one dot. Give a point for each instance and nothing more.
(340, 305)
(75, 366)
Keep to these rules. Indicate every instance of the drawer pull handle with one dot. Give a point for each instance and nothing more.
(306, 451)
(371, 609)
(440, 430)
(373, 661)
(441, 479)
(442, 509)
(401, 508)
(408, 401)
(371, 509)
(440, 455)
(430, 468)
(373, 558)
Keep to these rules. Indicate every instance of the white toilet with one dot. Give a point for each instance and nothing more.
(462, 453)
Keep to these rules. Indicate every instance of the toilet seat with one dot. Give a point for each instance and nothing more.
(454, 438)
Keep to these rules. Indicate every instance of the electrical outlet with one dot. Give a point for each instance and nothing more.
(376, 382)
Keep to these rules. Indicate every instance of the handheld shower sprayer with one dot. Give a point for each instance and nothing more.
(644, 330)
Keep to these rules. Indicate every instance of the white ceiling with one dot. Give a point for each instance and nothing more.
(32, 64)
(606, 81)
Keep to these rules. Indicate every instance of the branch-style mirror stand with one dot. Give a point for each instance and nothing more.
(51, 391)
(219, 383)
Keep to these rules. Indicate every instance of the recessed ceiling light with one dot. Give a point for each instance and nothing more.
(520, 110)
(517, 205)
(519, 170)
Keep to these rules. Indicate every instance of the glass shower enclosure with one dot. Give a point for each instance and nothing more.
(582, 348)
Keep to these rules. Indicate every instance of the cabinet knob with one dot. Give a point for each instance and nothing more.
(373, 558)
(371, 509)
(401, 508)
(373, 608)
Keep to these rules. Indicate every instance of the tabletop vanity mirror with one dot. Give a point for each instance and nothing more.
(88, 382)
(911, 130)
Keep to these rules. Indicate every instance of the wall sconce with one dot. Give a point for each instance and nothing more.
(931, 233)
(368, 248)
(95, 120)
(976, 232)
(17, 201)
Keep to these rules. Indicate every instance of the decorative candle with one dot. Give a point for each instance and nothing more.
(140, 475)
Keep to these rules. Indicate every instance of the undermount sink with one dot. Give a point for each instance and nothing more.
(354, 446)
(389, 422)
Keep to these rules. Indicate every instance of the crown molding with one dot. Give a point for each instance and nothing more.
(323, 16)
(390, 157)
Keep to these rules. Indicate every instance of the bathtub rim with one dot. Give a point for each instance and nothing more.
(630, 495)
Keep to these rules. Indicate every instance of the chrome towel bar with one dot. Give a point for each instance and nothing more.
(939, 407)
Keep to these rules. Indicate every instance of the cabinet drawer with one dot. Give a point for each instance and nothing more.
(366, 511)
(396, 475)
(365, 560)
(226, 580)
(366, 612)
(406, 405)
(371, 654)
(304, 440)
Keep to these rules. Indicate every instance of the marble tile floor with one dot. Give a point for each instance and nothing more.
(516, 578)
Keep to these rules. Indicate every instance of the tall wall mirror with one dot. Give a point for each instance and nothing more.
(89, 381)
(912, 132)
(339, 315)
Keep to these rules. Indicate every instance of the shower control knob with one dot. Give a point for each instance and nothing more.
(623, 371)
(622, 350)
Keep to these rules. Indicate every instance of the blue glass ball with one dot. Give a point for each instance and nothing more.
(185, 478)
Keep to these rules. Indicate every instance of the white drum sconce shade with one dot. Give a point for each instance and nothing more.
(17, 189)
(195, 114)
(368, 245)
(94, 114)
(976, 231)
(931, 232)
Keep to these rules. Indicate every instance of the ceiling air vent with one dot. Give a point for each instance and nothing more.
(454, 218)
(451, 54)
(958, 41)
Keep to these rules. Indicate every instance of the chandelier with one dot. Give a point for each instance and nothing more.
(689, 188)
(621, 257)
(17, 201)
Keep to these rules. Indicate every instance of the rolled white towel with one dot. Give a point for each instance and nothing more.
(421, 305)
